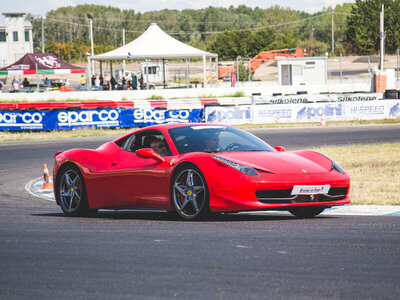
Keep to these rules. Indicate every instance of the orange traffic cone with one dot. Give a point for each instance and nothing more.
(46, 179)
(323, 122)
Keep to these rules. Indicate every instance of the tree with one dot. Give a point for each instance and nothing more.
(363, 26)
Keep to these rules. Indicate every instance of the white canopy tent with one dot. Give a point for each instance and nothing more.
(156, 44)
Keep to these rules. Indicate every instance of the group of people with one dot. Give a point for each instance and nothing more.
(130, 83)
(15, 84)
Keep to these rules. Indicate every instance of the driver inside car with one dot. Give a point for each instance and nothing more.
(159, 146)
(212, 143)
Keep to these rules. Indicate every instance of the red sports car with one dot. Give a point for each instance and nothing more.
(196, 169)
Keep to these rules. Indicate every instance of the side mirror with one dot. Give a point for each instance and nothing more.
(149, 153)
(280, 149)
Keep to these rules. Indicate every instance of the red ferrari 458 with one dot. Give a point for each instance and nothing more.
(196, 169)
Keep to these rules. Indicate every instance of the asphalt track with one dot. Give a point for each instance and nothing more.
(146, 255)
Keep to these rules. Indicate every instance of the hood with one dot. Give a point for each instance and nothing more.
(276, 162)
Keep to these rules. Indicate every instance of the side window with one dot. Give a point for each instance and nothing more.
(147, 139)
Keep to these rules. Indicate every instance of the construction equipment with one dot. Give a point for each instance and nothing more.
(225, 69)
(265, 56)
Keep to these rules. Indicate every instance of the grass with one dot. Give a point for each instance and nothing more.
(328, 124)
(374, 171)
(156, 97)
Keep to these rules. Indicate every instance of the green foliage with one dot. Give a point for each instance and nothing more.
(244, 74)
(364, 24)
(156, 97)
(314, 47)
(229, 32)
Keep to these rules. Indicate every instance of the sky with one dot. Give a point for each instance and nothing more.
(41, 7)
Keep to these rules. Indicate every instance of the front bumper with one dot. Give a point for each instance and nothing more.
(272, 191)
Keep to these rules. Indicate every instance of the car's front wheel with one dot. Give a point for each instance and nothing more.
(306, 212)
(190, 196)
(71, 192)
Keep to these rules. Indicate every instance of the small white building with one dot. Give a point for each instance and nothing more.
(155, 71)
(302, 70)
(15, 38)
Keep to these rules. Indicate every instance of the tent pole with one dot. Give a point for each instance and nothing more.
(187, 73)
(89, 82)
(101, 68)
(204, 70)
(163, 66)
(211, 79)
(216, 71)
(111, 73)
(147, 75)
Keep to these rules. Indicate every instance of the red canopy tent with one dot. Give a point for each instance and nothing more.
(40, 63)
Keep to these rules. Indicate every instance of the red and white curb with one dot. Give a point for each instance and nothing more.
(34, 187)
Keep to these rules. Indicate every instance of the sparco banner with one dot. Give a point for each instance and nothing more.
(98, 118)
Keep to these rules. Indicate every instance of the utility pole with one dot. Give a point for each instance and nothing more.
(91, 39)
(123, 44)
(333, 36)
(382, 36)
(42, 36)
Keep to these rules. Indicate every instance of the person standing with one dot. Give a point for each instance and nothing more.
(233, 79)
(15, 85)
(47, 82)
(113, 82)
(97, 81)
(141, 81)
(25, 83)
(83, 80)
(134, 81)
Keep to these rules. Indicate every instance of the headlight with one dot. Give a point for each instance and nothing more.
(241, 168)
(336, 167)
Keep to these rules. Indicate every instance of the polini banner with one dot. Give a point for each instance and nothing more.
(97, 118)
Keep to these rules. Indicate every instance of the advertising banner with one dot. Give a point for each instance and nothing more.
(241, 114)
(96, 118)
(304, 98)
(302, 113)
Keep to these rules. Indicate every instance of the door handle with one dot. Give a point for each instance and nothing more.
(114, 163)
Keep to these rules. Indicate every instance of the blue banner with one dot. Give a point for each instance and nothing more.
(96, 118)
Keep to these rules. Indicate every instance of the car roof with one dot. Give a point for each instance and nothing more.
(165, 127)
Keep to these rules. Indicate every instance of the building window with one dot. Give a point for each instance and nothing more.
(2, 36)
(26, 35)
(15, 36)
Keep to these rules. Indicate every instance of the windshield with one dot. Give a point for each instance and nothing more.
(213, 139)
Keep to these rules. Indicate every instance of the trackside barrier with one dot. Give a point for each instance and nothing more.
(95, 118)
(173, 104)
(302, 113)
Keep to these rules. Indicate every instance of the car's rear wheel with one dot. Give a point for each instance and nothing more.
(190, 196)
(306, 212)
(71, 192)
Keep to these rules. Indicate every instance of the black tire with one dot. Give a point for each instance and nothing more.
(306, 212)
(190, 196)
(71, 193)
